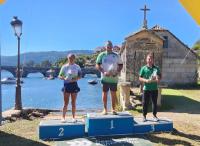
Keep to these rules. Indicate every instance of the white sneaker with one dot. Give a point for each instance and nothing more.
(63, 120)
(74, 120)
(104, 112)
(144, 119)
(155, 119)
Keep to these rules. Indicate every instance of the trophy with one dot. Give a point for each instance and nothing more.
(112, 70)
(154, 75)
(69, 76)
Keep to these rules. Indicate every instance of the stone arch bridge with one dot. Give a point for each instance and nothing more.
(43, 70)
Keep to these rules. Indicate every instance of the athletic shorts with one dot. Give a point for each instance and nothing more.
(71, 87)
(109, 86)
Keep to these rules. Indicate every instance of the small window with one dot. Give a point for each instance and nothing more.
(165, 43)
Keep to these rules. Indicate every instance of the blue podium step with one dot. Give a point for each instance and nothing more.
(163, 125)
(102, 125)
(55, 129)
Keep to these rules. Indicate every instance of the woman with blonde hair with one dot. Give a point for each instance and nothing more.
(70, 73)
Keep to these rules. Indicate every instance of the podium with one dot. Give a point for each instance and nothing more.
(56, 130)
(103, 125)
(163, 125)
(97, 124)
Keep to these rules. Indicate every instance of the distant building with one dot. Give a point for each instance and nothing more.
(116, 49)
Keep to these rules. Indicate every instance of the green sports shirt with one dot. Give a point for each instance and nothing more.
(147, 73)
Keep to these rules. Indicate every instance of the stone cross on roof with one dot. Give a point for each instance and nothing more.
(145, 20)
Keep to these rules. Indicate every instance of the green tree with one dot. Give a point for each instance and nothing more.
(60, 62)
(196, 45)
(37, 65)
(30, 63)
(80, 60)
(46, 63)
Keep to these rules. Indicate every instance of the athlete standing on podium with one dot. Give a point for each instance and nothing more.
(70, 73)
(110, 65)
(150, 75)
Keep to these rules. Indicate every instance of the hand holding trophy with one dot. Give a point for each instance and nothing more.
(68, 77)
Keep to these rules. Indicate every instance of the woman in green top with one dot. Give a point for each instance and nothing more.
(150, 75)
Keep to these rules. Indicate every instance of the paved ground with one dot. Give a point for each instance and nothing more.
(125, 141)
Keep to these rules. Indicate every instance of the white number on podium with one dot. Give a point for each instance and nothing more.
(112, 124)
(61, 131)
(152, 128)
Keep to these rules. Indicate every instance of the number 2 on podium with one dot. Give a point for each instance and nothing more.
(112, 124)
(61, 130)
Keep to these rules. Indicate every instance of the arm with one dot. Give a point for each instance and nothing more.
(143, 80)
(61, 74)
(98, 66)
(99, 62)
(60, 77)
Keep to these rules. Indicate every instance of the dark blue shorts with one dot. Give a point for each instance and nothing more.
(109, 86)
(71, 87)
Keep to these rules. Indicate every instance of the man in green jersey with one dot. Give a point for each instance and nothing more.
(150, 75)
(109, 64)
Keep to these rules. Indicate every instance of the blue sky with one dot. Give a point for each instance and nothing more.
(86, 24)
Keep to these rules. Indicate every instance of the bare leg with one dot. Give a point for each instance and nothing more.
(104, 99)
(73, 102)
(66, 101)
(114, 99)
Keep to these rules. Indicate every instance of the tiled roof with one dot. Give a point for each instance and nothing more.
(157, 27)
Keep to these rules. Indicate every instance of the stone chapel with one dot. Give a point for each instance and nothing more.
(178, 63)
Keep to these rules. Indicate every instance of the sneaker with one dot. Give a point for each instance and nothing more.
(144, 119)
(63, 120)
(114, 113)
(74, 120)
(155, 119)
(104, 112)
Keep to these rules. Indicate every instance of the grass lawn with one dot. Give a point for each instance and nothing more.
(183, 107)
(21, 133)
(180, 105)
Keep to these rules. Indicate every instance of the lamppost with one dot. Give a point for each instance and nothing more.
(17, 25)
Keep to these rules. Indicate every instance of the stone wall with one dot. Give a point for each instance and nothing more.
(179, 64)
(176, 72)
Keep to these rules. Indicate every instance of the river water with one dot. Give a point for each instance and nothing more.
(38, 92)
